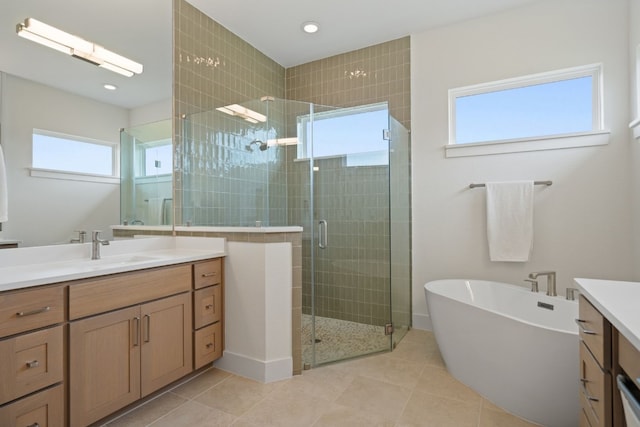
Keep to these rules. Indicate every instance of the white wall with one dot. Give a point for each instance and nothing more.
(46, 211)
(634, 42)
(583, 222)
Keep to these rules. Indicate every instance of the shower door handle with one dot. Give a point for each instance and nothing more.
(322, 234)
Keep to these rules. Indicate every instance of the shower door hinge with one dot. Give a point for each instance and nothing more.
(386, 135)
(388, 329)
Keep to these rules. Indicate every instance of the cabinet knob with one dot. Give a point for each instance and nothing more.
(209, 345)
(34, 425)
(33, 364)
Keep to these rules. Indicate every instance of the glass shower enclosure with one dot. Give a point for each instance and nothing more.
(343, 175)
(146, 174)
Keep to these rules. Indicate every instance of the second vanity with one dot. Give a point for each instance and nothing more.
(609, 319)
(81, 339)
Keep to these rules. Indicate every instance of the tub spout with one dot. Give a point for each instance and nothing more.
(551, 281)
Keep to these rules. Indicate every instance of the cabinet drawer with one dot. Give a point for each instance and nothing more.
(629, 359)
(44, 409)
(593, 327)
(207, 306)
(584, 421)
(207, 273)
(592, 393)
(208, 345)
(30, 362)
(100, 295)
(32, 309)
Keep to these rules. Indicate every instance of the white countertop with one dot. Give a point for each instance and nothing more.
(33, 266)
(618, 301)
(206, 228)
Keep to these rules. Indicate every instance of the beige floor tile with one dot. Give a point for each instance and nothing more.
(419, 351)
(499, 418)
(416, 335)
(343, 416)
(438, 381)
(404, 373)
(325, 382)
(202, 382)
(375, 397)
(286, 408)
(149, 412)
(426, 410)
(236, 395)
(192, 414)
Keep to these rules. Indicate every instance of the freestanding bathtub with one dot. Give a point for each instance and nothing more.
(518, 349)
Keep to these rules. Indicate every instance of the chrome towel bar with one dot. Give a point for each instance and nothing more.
(534, 183)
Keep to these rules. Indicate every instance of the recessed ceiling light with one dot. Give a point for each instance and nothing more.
(310, 27)
(108, 86)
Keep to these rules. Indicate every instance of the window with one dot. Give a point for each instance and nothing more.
(57, 155)
(155, 158)
(562, 105)
(354, 132)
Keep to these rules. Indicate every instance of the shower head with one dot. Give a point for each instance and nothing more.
(262, 145)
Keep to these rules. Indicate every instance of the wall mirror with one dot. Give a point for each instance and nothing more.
(42, 88)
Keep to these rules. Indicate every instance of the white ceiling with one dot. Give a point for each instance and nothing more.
(141, 30)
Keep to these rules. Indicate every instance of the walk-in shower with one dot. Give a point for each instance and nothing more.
(343, 174)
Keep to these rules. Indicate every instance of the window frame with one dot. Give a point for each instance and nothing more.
(596, 136)
(113, 178)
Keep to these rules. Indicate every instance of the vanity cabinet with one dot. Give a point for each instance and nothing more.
(207, 313)
(32, 357)
(599, 365)
(123, 355)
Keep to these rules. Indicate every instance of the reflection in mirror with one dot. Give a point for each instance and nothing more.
(44, 89)
(146, 174)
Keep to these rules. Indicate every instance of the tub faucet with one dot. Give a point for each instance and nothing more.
(96, 241)
(82, 235)
(551, 281)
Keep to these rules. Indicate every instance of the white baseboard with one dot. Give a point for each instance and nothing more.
(259, 370)
(422, 321)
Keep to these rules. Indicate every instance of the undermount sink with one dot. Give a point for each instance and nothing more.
(126, 259)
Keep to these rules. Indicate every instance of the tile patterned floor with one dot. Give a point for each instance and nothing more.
(408, 387)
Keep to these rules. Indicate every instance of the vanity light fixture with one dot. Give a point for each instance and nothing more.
(310, 27)
(49, 36)
(243, 112)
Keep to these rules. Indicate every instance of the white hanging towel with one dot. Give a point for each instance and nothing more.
(4, 198)
(510, 220)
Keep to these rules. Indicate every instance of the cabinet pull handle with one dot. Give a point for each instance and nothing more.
(136, 331)
(208, 306)
(34, 425)
(32, 312)
(209, 344)
(580, 323)
(33, 364)
(147, 328)
(587, 395)
(213, 273)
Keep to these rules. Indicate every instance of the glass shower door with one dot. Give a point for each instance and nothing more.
(348, 152)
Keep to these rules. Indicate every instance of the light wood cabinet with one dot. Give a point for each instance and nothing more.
(600, 360)
(32, 357)
(120, 356)
(43, 409)
(208, 312)
(124, 335)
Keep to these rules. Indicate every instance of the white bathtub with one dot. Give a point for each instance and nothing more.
(496, 339)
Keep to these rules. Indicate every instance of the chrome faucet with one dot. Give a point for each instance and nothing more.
(551, 281)
(82, 235)
(96, 241)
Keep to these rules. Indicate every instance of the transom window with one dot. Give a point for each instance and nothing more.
(547, 105)
(72, 155)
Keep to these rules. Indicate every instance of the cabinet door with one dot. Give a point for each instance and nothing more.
(104, 364)
(166, 341)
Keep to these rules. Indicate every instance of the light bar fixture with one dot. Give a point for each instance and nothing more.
(244, 113)
(77, 47)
